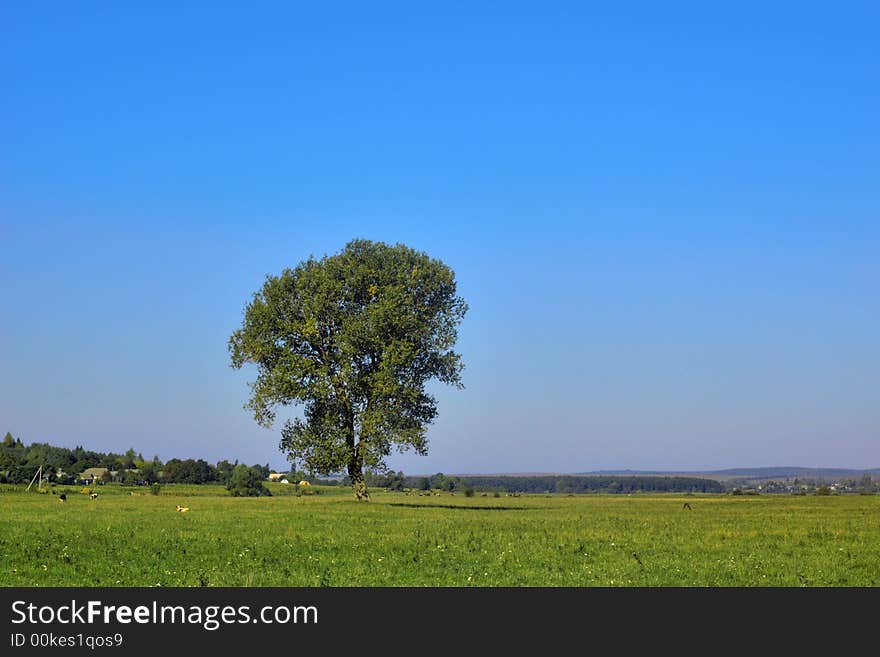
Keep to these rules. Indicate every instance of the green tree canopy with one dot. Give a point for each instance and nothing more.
(246, 482)
(354, 338)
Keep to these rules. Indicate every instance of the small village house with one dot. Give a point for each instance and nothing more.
(90, 475)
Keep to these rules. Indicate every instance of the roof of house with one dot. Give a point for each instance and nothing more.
(93, 472)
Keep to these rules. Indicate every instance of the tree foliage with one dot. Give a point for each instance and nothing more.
(188, 471)
(353, 338)
(19, 463)
(566, 483)
(246, 482)
(387, 480)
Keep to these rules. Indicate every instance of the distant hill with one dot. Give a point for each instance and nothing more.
(751, 474)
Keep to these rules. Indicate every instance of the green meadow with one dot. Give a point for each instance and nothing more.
(328, 539)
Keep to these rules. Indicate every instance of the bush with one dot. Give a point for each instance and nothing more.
(468, 491)
(823, 490)
(155, 489)
(246, 482)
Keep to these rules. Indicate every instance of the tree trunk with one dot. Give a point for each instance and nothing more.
(356, 463)
(358, 483)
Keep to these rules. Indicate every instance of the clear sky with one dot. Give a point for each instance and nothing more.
(665, 218)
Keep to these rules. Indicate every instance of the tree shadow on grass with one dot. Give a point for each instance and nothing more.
(457, 507)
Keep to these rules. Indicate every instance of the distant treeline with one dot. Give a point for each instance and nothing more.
(565, 484)
(19, 463)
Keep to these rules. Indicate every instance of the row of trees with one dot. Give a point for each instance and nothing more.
(566, 484)
(19, 463)
(533, 484)
(199, 471)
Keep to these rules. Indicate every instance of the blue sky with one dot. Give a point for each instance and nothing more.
(665, 218)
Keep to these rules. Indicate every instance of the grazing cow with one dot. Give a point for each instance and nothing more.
(94, 496)
(62, 497)
(182, 509)
(686, 506)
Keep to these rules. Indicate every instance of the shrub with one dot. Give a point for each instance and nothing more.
(246, 482)
(468, 491)
(155, 489)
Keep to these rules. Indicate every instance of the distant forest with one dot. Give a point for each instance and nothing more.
(19, 463)
(566, 484)
(63, 465)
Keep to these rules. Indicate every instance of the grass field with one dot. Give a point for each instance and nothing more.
(399, 540)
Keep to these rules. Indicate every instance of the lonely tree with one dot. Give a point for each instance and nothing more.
(353, 338)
